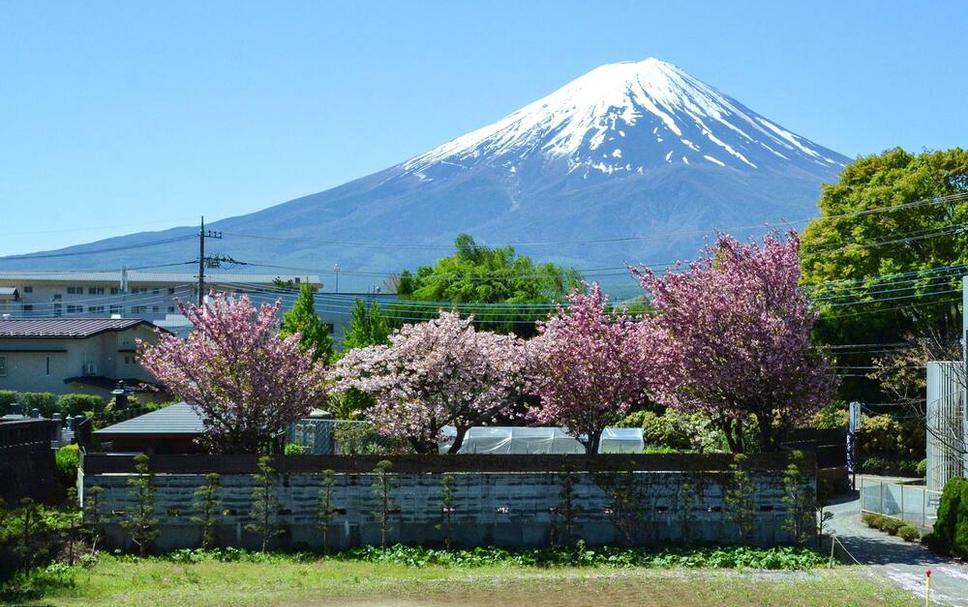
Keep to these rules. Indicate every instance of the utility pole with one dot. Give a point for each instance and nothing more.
(336, 270)
(202, 235)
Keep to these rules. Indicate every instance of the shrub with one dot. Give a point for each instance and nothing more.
(7, 397)
(922, 469)
(673, 431)
(45, 402)
(909, 533)
(872, 465)
(951, 528)
(831, 417)
(294, 449)
(77, 404)
(68, 458)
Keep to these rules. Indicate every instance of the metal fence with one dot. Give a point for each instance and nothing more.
(913, 503)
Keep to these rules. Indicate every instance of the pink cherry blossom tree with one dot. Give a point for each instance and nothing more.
(590, 367)
(433, 374)
(246, 380)
(737, 335)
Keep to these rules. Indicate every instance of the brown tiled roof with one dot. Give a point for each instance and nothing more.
(64, 327)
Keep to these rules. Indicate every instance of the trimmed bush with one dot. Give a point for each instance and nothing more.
(950, 534)
(909, 533)
(77, 404)
(294, 449)
(6, 398)
(922, 469)
(886, 524)
(46, 402)
(68, 458)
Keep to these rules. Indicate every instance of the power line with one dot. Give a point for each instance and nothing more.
(95, 251)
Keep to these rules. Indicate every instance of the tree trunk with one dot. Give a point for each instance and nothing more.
(767, 438)
(591, 444)
(458, 440)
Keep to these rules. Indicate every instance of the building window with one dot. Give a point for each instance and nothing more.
(116, 309)
(3, 366)
(171, 290)
(154, 309)
(171, 309)
(28, 307)
(57, 297)
(47, 369)
(95, 309)
(139, 309)
(57, 309)
(28, 289)
(75, 290)
(72, 309)
(95, 291)
(115, 290)
(155, 291)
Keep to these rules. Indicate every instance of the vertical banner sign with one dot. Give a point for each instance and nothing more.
(853, 424)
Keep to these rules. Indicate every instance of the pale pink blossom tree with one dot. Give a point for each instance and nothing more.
(434, 374)
(590, 367)
(246, 381)
(737, 335)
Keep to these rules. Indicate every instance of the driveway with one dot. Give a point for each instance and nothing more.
(904, 563)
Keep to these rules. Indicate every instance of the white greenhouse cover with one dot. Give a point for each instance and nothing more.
(544, 440)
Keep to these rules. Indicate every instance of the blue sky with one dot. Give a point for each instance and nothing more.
(124, 116)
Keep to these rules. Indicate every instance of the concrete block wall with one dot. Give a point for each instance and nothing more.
(510, 509)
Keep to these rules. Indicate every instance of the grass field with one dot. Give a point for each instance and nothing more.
(118, 582)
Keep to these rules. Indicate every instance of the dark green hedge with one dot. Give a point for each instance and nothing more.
(950, 534)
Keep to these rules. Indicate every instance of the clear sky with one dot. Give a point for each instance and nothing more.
(124, 116)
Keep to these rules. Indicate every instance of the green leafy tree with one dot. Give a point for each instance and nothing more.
(93, 517)
(208, 506)
(263, 516)
(141, 522)
(886, 251)
(566, 511)
(738, 497)
(382, 487)
(368, 327)
(448, 504)
(302, 318)
(800, 499)
(477, 274)
(327, 510)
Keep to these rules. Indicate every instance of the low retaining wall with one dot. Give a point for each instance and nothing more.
(499, 500)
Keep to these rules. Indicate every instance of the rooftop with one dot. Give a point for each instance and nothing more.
(180, 418)
(74, 328)
(159, 278)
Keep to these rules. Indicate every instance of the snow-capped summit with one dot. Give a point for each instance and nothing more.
(628, 117)
(641, 159)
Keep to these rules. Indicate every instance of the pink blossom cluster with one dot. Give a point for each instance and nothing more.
(736, 343)
(434, 374)
(590, 367)
(246, 380)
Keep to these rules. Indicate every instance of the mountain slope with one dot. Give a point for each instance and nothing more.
(641, 155)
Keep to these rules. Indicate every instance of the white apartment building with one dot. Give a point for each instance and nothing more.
(152, 296)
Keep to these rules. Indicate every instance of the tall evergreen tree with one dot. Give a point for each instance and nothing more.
(302, 318)
(368, 327)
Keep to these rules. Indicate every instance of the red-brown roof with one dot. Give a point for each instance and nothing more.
(75, 328)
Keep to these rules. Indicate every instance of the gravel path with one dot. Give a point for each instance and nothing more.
(904, 563)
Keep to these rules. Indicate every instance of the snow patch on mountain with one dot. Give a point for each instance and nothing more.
(583, 122)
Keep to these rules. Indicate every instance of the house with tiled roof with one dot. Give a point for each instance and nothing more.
(65, 355)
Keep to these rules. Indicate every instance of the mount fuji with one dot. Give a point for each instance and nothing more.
(631, 162)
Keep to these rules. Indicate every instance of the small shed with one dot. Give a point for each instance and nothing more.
(172, 429)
